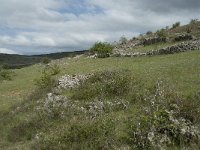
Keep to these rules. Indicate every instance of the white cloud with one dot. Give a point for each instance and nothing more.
(43, 24)
(7, 51)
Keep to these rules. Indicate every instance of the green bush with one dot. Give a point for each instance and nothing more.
(55, 69)
(102, 49)
(45, 80)
(175, 25)
(5, 75)
(46, 60)
(162, 33)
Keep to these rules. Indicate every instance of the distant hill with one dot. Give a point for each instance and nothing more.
(19, 61)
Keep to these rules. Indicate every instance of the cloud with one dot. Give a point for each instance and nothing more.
(7, 51)
(44, 26)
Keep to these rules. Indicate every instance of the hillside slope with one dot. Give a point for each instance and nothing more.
(21, 124)
(147, 96)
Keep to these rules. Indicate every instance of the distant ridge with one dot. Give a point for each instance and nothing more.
(18, 61)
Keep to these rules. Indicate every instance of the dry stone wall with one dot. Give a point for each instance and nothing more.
(177, 48)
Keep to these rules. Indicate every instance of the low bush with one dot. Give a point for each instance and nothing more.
(45, 81)
(102, 49)
(46, 60)
(55, 69)
(6, 74)
(175, 25)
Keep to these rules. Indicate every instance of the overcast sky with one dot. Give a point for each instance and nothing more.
(44, 26)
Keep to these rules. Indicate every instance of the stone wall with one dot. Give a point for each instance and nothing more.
(177, 48)
(180, 47)
(183, 37)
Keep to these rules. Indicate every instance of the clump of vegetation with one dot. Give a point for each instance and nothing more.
(165, 121)
(193, 21)
(162, 33)
(149, 33)
(54, 69)
(5, 73)
(46, 80)
(123, 40)
(46, 60)
(101, 49)
(175, 25)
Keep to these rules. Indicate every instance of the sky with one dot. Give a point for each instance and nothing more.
(46, 26)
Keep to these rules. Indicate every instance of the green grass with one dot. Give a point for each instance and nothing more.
(180, 71)
(22, 84)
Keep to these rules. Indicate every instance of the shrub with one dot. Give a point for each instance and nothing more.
(102, 49)
(5, 66)
(6, 74)
(193, 21)
(45, 80)
(175, 25)
(149, 33)
(55, 69)
(123, 40)
(46, 60)
(162, 33)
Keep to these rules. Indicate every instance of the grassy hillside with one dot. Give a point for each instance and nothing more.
(23, 119)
